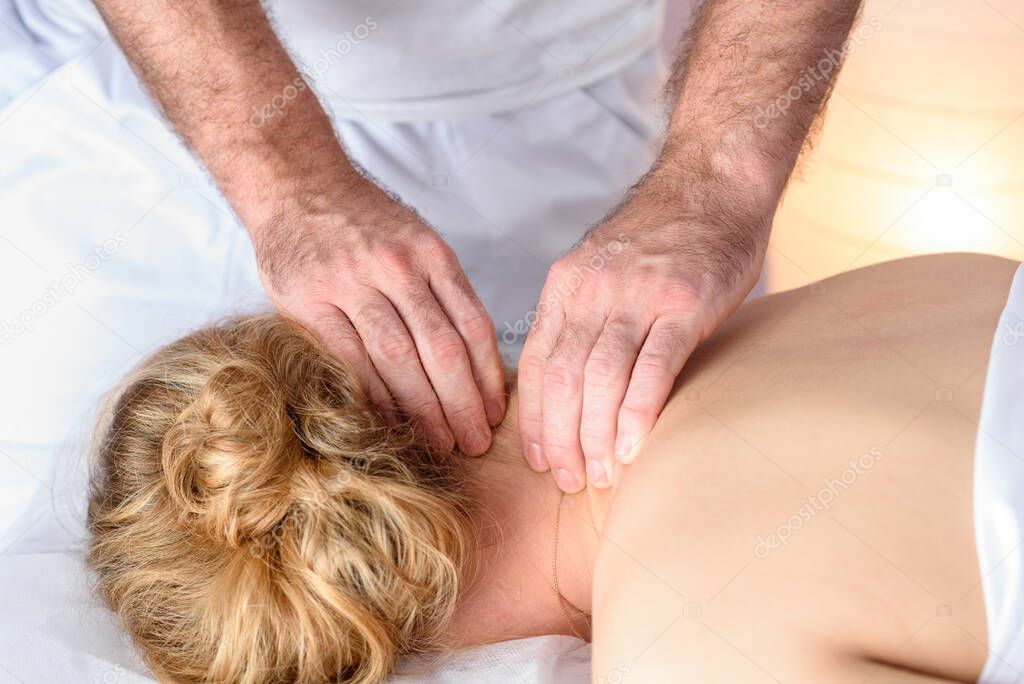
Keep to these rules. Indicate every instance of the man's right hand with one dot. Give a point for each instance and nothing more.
(387, 294)
(335, 252)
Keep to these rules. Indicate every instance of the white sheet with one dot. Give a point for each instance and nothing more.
(111, 243)
(998, 502)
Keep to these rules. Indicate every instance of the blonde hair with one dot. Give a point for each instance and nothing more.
(253, 519)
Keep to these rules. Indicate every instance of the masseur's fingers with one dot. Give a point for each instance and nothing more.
(532, 363)
(470, 318)
(605, 379)
(442, 354)
(393, 352)
(668, 345)
(563, 402)
(335, 330)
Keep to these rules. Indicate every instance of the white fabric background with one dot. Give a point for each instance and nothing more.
(461, 57)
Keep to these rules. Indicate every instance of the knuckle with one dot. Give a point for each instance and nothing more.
(464, 413)
(561, 447)
(340, 261)
(396, 349)
(531, 367)
(572, 342)
(652, 364)
(564, 278)
(539, 322)
(416, 293)
(635, 411)
(560, 269)
(677, 296)
(620, 329)
(679, 336)
(477, 327)
(561, 380)
(437, 251)
(347, 347)
(424, 313)
(425, 413)
(333, 331)
(460, 281)
(664, 349)
(373, 316)
(395, 261)
(446, 348)
(600, 372)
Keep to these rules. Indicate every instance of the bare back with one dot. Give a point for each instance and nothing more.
(803, 509)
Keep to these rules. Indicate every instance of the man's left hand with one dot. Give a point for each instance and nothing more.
(618, 318)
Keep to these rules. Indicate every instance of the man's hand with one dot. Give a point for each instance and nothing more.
(386, 293)
(603, 355)
(335, 252)
(618, 318)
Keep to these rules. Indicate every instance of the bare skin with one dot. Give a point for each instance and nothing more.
(884, 366)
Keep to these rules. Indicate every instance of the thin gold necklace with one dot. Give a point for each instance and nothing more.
(562, 601)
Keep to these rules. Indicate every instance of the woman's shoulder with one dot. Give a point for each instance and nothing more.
(846, 403)
(956, 274)
(838, 319)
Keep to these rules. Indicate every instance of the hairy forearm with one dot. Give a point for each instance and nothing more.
(724, 138)
(217, 70)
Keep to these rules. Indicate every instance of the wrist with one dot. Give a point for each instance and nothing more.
(303, 197)
(719, 183)
(718, 210)
(716, 225)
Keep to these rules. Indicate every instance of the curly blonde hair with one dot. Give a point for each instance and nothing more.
(253, 519)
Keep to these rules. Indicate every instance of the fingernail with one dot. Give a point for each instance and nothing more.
(597, 473)
(567, 481)
(535, 455)
(624, 449)
(494, 413)
(477, 441)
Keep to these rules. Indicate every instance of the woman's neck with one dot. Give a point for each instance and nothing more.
(510, 591)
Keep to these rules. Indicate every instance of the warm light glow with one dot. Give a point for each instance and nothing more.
(923, 146)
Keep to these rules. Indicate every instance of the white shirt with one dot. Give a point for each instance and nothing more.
(437, 59)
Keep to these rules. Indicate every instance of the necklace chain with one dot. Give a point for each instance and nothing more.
(562, 601)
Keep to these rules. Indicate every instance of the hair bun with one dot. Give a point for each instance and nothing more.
(228, 460)
(255, 521)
